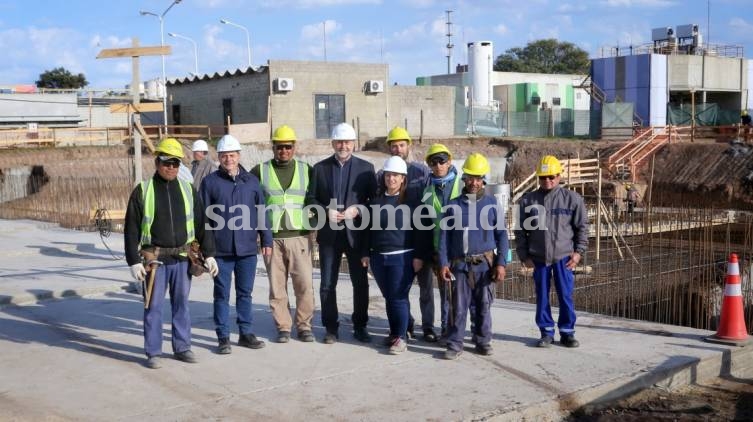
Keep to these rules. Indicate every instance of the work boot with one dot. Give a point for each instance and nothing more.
(450, 354)
(330, 338)
(250, 341)
(361, 335)
(306, 336)
(153, 362)
(283, 336)
(569, 341)
(545, 341)
(186, 356)
(429, 335)
(484, 349)
(224, 346)
(398, 346)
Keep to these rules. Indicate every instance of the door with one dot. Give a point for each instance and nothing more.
(329, 111)
(227, 113)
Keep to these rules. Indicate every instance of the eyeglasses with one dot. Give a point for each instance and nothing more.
(283, 147)
(548, 177)
(437, 161)
(171, 163)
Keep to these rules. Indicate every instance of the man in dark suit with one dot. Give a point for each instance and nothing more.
(340, 184)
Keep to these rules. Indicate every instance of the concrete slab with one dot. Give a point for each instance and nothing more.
(82, 358)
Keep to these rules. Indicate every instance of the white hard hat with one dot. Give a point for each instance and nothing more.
(200, 145)
(395, 164)
(228, 143)
(343, 132)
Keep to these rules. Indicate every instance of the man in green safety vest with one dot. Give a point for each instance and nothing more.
(284, 181)
(443, 185)
(164, 216)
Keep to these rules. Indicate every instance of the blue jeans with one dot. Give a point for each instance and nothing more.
(179, 281)
(244, 268)
(329, 264)
(563, 283)
(394, 276)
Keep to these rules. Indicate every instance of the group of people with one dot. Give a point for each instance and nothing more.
(408, 221)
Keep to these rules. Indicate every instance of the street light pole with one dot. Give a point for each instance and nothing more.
(162, 44)
(248, 36)
(195, 51)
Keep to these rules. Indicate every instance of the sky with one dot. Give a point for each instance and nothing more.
(409, 35)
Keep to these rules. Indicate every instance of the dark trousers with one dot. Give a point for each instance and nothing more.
(176, 278)
(329, 264)
(394, 276)
(462, 298)
(244, 269)
(563, 278)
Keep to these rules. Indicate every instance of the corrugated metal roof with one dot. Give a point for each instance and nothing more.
(217, 75)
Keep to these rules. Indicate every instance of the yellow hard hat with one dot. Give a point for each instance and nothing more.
(284, 133)
(549, 166)
(169, 146)
(476, 165)
(436, 149)
(398, 134)
(745, 113)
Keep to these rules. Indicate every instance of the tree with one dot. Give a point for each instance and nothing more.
(544, 56)
(61, 78)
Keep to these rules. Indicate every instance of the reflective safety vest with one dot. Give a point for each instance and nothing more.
(431, 199)
(147, 195)
(288, 201)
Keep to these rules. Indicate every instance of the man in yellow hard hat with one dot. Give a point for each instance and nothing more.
(284, 181)
(554, 249)
(476, 229)
(164, 216)
(399, 144)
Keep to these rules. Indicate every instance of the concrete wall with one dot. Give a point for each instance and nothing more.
(201, 100)
(704, 73)
(100, 116)
(39, 108)
(251, 132)
(296, 107)
(437, 103)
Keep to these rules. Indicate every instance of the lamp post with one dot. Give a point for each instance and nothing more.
(195, 51)
(248, 36)
(162, 44)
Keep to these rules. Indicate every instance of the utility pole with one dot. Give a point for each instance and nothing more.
(449, 41)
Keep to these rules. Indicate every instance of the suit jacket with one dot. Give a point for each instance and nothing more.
(360, 189)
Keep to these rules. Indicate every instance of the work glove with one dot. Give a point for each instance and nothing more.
(138, 272)
(211, 264)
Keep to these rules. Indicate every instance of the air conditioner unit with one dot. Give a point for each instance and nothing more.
(375, 86)
(284, 84)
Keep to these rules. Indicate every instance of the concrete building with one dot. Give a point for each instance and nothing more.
(311, 97)
(673, 80)
(489, 102)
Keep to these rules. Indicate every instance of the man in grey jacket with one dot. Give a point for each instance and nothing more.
(201, 166)
(551, 238)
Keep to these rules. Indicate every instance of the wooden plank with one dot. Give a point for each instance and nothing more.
(116, 215)
(135, 52)
(139, 108)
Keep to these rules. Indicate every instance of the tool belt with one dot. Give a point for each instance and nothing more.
(476, 259)
(191, 251)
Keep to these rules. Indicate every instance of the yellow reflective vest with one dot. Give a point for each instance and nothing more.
(431, 199)
(147, 195)
(288, 201)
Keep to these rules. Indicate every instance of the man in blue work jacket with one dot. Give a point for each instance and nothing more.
(472, 249)
(554, 249)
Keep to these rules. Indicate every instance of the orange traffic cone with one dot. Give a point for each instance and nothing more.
(732, 328)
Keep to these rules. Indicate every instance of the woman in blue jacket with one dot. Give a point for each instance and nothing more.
(396, 248)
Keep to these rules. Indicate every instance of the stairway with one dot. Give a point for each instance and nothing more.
(625, 161)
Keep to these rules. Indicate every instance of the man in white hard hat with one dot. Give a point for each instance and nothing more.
(233, 197)
(201, 165)
(339, 184)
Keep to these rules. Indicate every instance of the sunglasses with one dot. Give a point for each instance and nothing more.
(171, 163)
(283, 147)
(437, 161)
(548, 177)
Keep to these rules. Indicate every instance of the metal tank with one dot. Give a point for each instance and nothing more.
(480, 65)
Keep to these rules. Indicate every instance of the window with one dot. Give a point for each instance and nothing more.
(556, 101)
